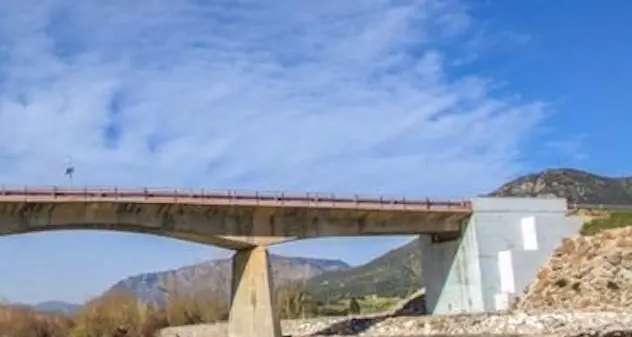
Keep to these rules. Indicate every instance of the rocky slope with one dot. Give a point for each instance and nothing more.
(213, 276)
(575, 185)
(585, 273)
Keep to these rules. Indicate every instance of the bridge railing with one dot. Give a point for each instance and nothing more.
(612, 207)
(177, 194)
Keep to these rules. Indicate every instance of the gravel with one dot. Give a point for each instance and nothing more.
(580, 324)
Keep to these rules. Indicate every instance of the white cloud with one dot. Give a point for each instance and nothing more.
(322, 95)
(306, 95)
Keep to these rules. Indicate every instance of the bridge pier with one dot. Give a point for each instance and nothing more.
(253, 311)
(499, 251)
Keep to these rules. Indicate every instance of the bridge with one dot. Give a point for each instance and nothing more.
(476, 254)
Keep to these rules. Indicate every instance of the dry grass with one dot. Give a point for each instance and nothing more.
(122, 315)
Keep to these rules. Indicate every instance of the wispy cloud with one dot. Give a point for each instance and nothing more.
(320, 95)
(326, 95)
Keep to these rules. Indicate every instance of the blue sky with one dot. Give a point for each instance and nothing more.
(419, 98)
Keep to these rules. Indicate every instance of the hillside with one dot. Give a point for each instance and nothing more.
(213, 276)
(575, 185)
(394, 274)
(397, 272)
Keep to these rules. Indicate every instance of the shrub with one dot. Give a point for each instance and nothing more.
(118, 314)
(17, 321)
(294, 301)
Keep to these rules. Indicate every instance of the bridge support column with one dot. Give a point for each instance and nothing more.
(253, 311)
(497, 254)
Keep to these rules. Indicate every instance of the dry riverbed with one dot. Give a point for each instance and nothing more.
(541, 324)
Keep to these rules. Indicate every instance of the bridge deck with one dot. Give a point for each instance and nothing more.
(229, 198)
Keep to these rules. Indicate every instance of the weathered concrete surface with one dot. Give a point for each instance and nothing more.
(253, 312)
(498, 253)
(233, 227)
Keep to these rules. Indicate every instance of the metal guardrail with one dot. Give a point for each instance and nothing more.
(179, 194)
(600, 206)
(227, 195)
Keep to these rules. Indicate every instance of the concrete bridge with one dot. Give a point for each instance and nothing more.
(476, 254)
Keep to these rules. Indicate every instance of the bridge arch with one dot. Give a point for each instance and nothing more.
(218, 241)
(183, 222)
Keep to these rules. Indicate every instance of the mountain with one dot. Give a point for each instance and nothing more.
(57, 307)
(213, 276)
(575, 185)
(397, 272)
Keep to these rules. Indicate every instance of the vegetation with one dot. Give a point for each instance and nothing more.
(395, 274)
(613, 220)
(120, 314)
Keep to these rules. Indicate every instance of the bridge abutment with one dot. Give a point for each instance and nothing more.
(253, 311)
(500, 249)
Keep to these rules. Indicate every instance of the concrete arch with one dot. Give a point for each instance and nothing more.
(221, 227)
(135, 229)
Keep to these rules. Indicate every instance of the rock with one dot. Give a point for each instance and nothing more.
(587, 273)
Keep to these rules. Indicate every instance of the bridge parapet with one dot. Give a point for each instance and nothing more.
(230, 197)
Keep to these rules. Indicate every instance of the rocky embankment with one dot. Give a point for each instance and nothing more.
(548, 324)
(585, 273)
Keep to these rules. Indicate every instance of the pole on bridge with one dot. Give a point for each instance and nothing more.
(70, 171)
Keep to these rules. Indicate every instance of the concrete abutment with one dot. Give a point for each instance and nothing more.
(253, 311)
(500, 249)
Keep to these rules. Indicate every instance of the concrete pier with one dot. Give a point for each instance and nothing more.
(500, 249)
(253, 311)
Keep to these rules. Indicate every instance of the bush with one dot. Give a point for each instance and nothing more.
(116, 315)
(614, 220)
(195, 308)
(16, 321)
(294, 301)
(121, 314)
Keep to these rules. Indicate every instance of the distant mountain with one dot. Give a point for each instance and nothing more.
(396, 273)
(213, 276)
(58, 307)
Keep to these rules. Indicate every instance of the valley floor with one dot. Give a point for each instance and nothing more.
(518, 323)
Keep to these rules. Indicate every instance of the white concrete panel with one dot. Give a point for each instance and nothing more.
(506, 271)
(529, 233)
